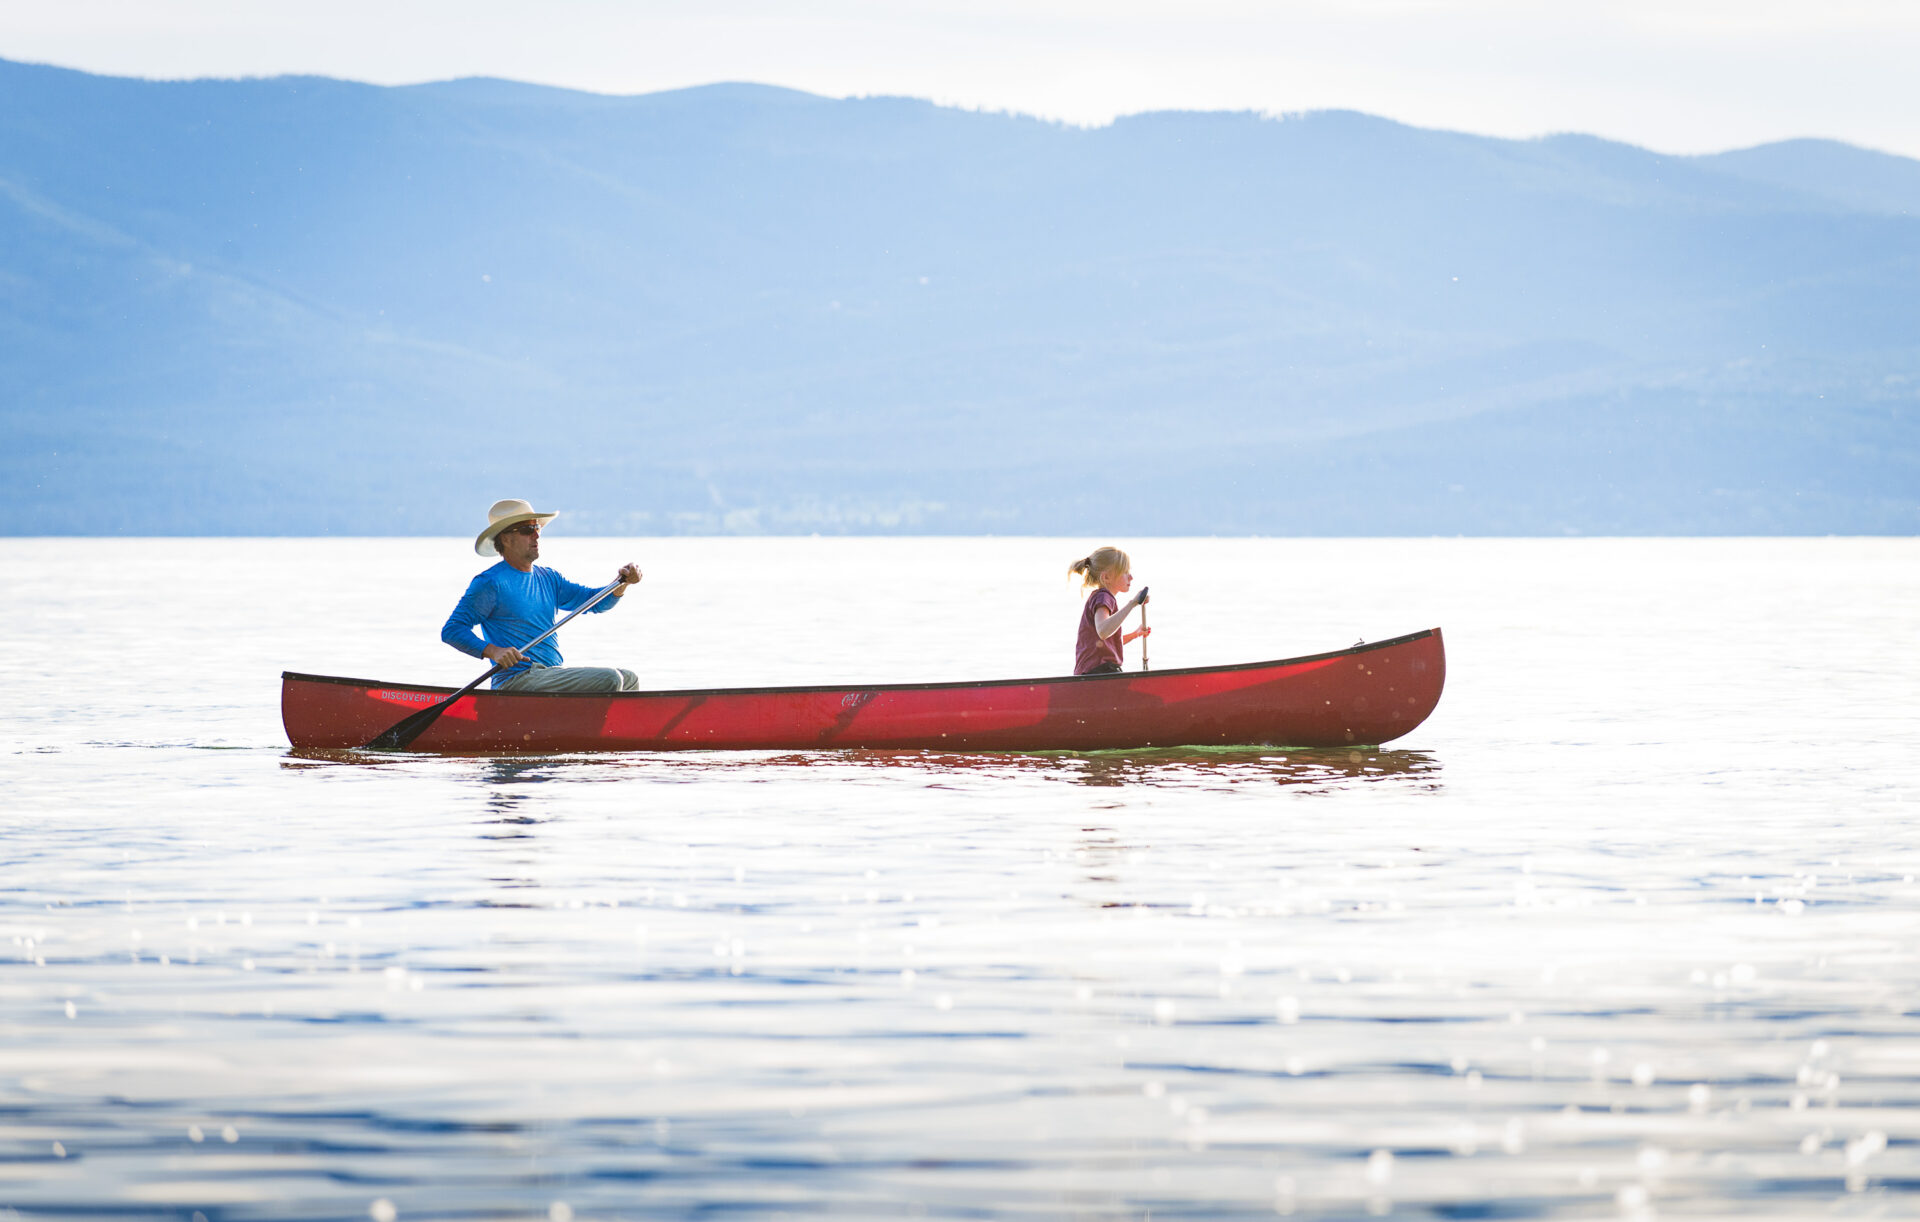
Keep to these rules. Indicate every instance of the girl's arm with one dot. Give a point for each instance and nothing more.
(1106, 625)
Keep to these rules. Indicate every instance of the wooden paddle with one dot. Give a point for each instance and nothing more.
(400, 735)
(1143, 626)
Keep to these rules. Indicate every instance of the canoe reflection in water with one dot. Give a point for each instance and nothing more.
(1193, 768)
(1320, 768)
(1167, 767)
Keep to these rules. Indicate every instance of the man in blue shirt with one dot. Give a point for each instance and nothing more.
(516, 600)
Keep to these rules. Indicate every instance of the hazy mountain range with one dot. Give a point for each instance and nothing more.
(302, 305)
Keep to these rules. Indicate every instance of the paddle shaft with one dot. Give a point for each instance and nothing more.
(410, 727)
(1143, 636)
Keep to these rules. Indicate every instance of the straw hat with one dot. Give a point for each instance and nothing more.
(502, 515)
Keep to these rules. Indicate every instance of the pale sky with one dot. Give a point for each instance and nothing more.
(1673, 75)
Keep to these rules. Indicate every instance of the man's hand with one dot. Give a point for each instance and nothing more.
(629, 573)
(505, 657)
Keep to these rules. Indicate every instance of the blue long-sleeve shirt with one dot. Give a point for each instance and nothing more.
(511, 608)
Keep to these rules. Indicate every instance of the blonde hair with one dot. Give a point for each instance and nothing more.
(1097, 564)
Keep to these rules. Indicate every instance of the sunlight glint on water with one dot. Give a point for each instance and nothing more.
(1628, 928)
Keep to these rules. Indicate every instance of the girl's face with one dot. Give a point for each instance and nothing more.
(1116, 581)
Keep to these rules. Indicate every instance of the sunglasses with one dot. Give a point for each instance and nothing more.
(523, 528)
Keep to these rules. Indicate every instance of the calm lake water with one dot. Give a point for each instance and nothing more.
(1629, 927)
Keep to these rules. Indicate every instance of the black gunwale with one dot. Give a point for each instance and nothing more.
(1369, 647)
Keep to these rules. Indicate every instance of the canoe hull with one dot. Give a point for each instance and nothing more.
(1367, 695)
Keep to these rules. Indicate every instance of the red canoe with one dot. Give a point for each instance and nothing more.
(1366, 695)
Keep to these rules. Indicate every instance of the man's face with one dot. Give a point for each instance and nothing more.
(519, 544)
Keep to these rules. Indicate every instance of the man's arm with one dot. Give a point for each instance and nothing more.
(475, 605)
(568, 595)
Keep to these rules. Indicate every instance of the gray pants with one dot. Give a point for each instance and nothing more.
(538, 678)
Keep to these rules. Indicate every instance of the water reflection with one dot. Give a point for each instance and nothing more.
(1171, 767)
(1101, 854)
(1313, 768)
(1323, 769)
(520, 770)
(309, 759)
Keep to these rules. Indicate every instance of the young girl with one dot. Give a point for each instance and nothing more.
(1097, 650)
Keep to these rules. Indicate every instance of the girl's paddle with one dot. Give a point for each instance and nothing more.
(400, 735)
(1143, 627)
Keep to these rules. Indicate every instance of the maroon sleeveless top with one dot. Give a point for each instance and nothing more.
(1089, 648)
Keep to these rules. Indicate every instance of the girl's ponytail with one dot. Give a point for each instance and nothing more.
(1097, 564)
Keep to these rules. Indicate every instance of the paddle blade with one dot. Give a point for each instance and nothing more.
(400, 735)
